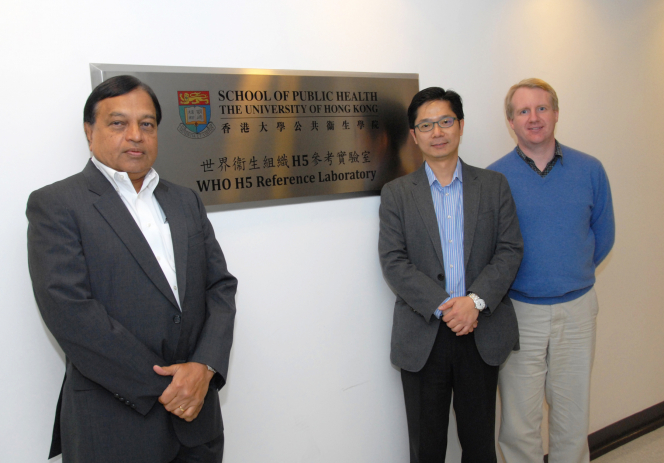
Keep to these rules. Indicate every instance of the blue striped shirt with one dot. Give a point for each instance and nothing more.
(448, 204)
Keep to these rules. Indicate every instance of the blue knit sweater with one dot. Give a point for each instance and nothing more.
(567, 223)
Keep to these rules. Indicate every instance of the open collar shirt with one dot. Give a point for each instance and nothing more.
(558, 154)
(149, 216)
(448, 205)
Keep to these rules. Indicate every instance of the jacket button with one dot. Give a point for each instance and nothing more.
(117, 396)
(133, 405)
(441, 277)
(127, 402)
(177, 319)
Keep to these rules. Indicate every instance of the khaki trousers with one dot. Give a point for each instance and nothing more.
(557, 349)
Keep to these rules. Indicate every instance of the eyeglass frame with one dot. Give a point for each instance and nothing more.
(434, 123)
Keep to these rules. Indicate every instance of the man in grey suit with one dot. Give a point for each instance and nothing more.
(449, 247)
(133, 285)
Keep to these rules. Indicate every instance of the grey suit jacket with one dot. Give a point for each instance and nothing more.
(412, 260)
(105, 299)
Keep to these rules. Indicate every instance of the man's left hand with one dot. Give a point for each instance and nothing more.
(460, 315)
(185, 395)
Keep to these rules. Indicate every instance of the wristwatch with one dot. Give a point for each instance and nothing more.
(211, 369)
(479, 303)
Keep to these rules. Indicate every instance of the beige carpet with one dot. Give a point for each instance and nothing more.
(645, 449)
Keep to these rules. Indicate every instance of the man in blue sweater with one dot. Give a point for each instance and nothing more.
(563, 202)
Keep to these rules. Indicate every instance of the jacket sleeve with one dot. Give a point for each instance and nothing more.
(495, 279)
(98, 346)
(215, 341)
(417, 289)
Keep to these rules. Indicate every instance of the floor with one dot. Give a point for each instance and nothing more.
(645, 449)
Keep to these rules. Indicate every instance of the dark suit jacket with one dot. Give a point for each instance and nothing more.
(411, 256)
(103, 295)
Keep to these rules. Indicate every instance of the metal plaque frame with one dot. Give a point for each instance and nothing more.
(246, 136)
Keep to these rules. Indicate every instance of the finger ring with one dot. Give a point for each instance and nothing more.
(181, 408)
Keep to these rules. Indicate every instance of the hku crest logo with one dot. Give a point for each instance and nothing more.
(195, 114)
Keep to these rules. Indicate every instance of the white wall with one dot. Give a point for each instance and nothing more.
(310, 377)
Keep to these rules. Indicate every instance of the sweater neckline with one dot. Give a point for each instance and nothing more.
(525, 165)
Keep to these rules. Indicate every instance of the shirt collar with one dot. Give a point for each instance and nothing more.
(120, 180)
(558, 153)
(432, 177)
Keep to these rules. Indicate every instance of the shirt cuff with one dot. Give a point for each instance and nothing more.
(439, 313)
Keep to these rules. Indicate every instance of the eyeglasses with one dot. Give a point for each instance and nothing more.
(445, 123)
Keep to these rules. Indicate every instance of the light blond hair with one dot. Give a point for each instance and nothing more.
(529, 83)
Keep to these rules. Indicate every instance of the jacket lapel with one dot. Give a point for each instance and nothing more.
(471, 204)
(422, 196)
(114, 211)
(172, 207)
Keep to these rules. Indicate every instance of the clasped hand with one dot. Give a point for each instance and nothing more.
(460, 315)
(185, 395)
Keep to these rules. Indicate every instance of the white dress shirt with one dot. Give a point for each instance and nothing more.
(149, 216)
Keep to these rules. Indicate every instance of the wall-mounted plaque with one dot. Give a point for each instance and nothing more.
(236, 135)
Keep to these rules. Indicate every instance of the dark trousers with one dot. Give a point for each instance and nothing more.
(453, 365)
(210, 452)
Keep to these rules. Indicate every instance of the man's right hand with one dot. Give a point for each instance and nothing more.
(185, 395)
(460, 315)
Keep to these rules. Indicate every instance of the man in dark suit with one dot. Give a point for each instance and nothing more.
(132, 283)
(449, 247)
